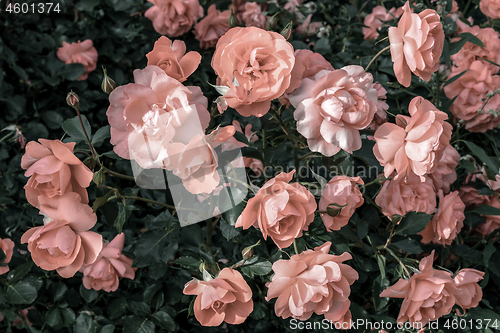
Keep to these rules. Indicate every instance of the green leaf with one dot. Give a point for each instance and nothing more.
(413, 223)
(192, 235)
(188, 262)
(228, 231)
(136, 324)
(408, 245)
(19, 272)
(379, 285)
(72, 72)
(74, 129)
(481, 154)
(488, 251)
(256, 266)
(102, 134)
(83, 324)
(381, 265)
(149, 247)
(107, 329)
(467, 253)
(486, 210)
(454, 78)
(53, 317)
(68, 317)
(164, 320)
(471, 38)
(20, 293)
(157, 270)
(117, 308)
(88, 294)
(101, 201)
(139, 308)
(150, 292)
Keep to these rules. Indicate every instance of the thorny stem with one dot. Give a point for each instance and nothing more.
(376, 56)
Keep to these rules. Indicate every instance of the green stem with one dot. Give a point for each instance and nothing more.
(146, 200)
(117, 174)
(295, 247)
(376, 56)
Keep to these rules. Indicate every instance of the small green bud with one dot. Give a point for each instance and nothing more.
(108, 84)
(232, 21)
(287, 31)
(73, 100)
(99, 177)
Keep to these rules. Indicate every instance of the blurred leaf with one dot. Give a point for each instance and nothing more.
(19, 272)
(108, 329)
(72, 72)
(454, 78)
(413, 223)
(165, 321)
(188, 262)
(486, 210)
(83, 324)
(228, 231)
(101, 135)
(408, 245)
(488, 251)
(481, 154)
(256, 266)
(135, 324)
(149, 247)
(53, 317)
(88, 294)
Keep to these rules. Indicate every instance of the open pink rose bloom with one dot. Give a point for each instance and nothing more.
(79, 52)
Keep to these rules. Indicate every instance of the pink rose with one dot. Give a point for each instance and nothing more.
(470, 89)
(253, 16)
(7, 246)
(428, 295)
(64, 242)
(445, 173)
(54, 172)
(471, 197)
(238, 7)
(471, 52)
(196, 162)
(227, 298)
(307, 65)
(333, 107)
(373, 22)
(342, 191)
(146, 116)
(401, 196)
(309, 28)
(447, 222)
(108, 267)
(313, 282)
(79, 52)
(470, 293)
(212, 27)
(416, 45)
(173, 59)
(280, 210)
(490, 8)
(174, 17)
(380, 116)
(416, 143)
(254, 66)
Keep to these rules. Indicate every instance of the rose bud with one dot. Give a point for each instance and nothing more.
(73, 100)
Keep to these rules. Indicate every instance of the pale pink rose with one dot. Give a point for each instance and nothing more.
(64, 242)
(307, 65)
(313, 282)
(253, 16)
(470, 89)
(227, 298)
(490, 8)
(414, 144)
(445, 173)
(471, 52)
(470, 293)
(307, 28)
(447, 222)
(108, 267)
(280, 210)
(79, 52)
(174, 17)
(24, 314)
(173, 59)
(238, 7)
(260, 73)
(54, 171)
(380, 116)
(401, 196)
(471, 197)
(196, 162)
(7, 246)
(147, 115)
(416, 44)
(428, 295)
(492, 221)
(374, 20)
(344, 192)
(212, 27)
(333, 107)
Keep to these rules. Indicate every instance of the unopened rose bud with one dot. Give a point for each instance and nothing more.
(334, 209)
(271, 23)
(108, 84)
(287, 32)
(232, 21)
(99, 177)
(247, 252)
(73, 100)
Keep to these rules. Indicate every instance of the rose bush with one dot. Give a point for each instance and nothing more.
(142, 155)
